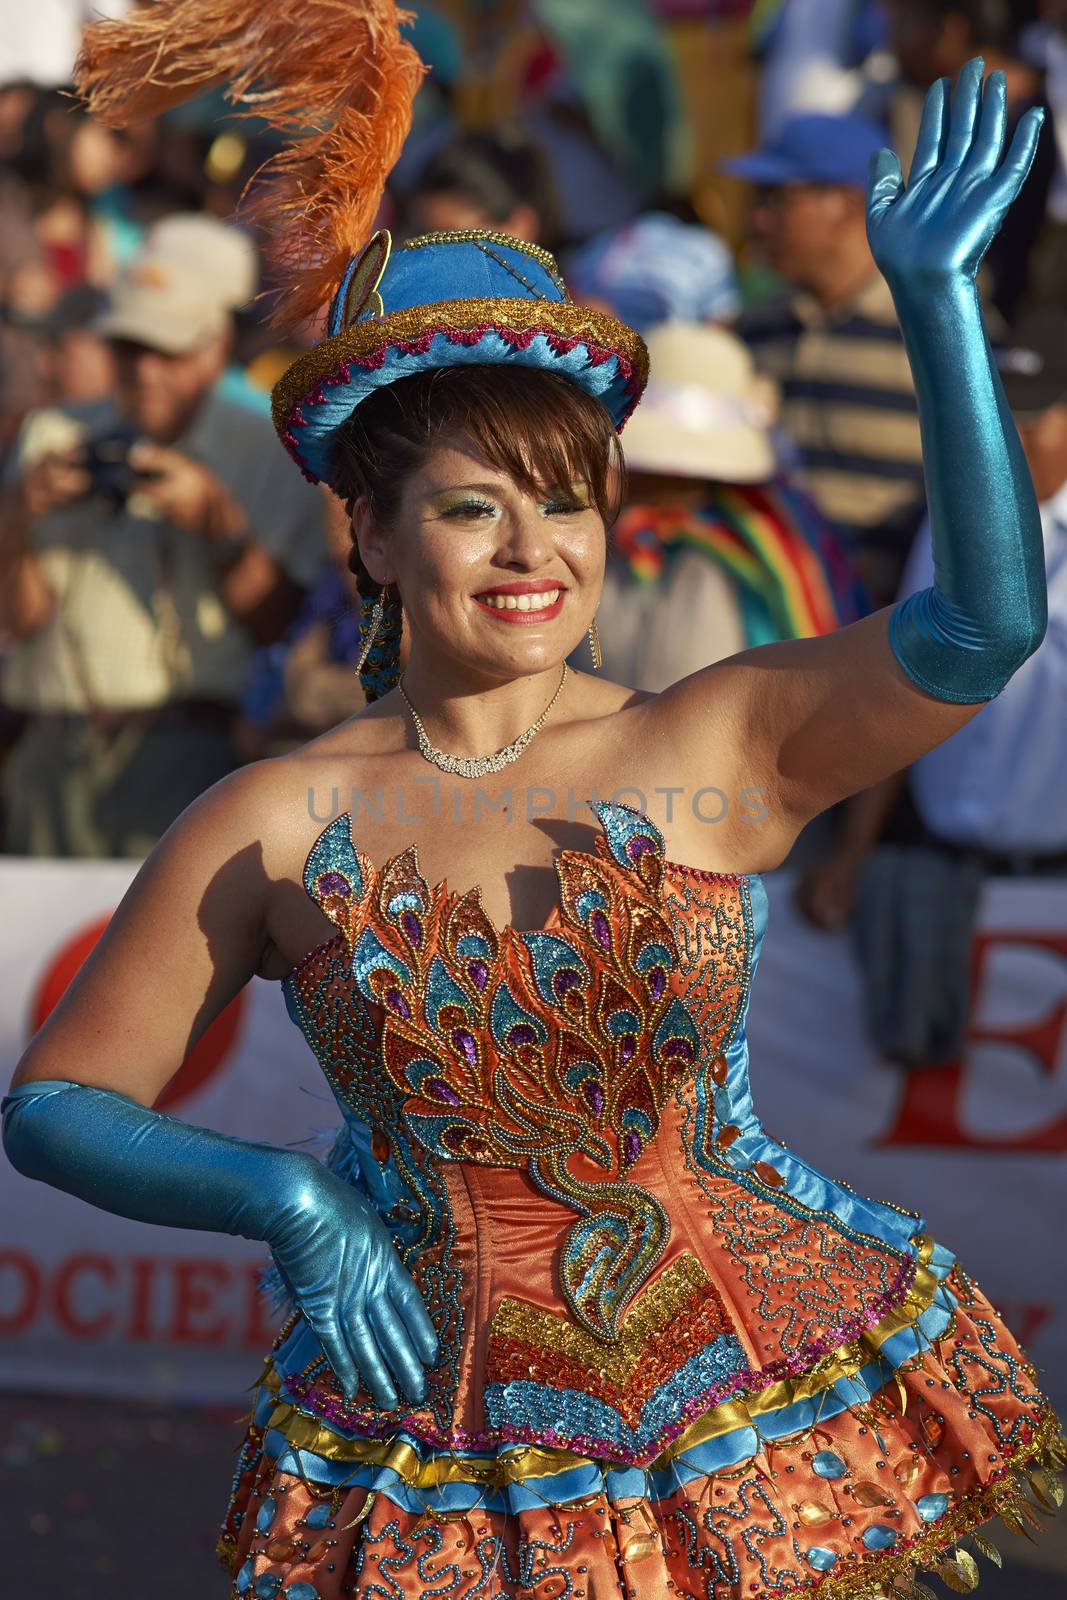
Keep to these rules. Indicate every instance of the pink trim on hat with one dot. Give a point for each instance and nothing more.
(561, 344)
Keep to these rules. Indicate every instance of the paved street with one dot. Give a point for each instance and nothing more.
(112, 1501)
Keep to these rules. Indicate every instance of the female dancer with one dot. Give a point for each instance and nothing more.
(565, 1320)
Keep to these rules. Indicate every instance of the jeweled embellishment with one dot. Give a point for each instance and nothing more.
(828, 1464)
(266, 1514)
(871, 1494)
(813, 1514)
(821, 1559)
(933, 1430)
(544, 1368)
(534, 1050)
(907, 1469)
(334, 883)
(611, 1252)
(396, 1002)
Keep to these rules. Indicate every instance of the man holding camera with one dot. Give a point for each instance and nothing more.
(147, 544)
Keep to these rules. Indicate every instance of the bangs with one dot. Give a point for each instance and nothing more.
(538, 428)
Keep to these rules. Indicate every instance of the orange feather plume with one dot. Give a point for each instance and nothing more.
(335, 76)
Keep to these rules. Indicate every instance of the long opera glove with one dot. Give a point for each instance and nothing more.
(333, 1251)
(987, 611)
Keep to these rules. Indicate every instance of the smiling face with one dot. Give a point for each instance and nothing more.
(474, 489)
(494, 574)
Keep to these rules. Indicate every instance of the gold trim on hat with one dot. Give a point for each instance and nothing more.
(362, 292)
(536, 252)
(368, 337)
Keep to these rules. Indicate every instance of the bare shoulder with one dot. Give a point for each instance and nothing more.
(276, 806)
(198, 913)
(244, 818)
(713, 700)
(811, 721)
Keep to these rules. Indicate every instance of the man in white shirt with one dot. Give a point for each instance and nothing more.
(999, 785)
(990, 800)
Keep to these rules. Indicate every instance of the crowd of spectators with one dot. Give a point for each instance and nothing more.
(175, 600)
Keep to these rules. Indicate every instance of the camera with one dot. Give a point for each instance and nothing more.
(107, 461)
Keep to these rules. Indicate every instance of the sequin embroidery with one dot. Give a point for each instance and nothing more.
(534, 1050)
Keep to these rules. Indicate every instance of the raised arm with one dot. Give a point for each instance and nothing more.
(188, 935)
(818, 719)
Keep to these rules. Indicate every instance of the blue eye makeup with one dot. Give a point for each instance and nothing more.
(468, 505)
(553, 508)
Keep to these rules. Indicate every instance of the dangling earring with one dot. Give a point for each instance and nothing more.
(379, 667)
(594, 645)
(373, 625)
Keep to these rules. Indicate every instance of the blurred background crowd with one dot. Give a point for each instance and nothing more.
(175, 599)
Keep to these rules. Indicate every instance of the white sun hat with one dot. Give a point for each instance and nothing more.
(224, 253)
(706, 413)
(191, 274)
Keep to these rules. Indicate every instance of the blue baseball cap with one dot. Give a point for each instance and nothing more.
(813, 148)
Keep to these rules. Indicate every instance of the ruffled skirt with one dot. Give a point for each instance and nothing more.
(880, 1493)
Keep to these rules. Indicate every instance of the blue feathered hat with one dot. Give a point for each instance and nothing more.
(470, 297)
(340, 87)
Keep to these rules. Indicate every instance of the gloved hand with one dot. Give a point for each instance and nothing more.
(962, 639)
(342, 1269)
(958, 192)
(333, 1251)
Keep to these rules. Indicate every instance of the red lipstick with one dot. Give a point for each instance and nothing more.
(523, 586)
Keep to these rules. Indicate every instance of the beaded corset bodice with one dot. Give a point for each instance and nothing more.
(557, 1127)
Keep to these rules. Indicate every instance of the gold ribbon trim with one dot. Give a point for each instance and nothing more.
(512, 1465)
(367, 338)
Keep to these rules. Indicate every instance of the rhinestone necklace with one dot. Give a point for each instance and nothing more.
(477, 766)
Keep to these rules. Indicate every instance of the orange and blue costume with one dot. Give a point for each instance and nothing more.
(671, 1361)
(674, 1357)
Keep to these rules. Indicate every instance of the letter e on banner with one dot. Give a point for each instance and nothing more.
(930, 1111)
(195, 1283)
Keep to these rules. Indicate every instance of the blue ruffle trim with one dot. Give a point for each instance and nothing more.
(586, 1478)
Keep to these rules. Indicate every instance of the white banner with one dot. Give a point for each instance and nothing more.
(95, 1304)
(92, 1303)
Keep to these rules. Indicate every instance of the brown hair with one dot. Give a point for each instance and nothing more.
(538, 427)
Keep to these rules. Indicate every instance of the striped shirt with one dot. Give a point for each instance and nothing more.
(848, 404)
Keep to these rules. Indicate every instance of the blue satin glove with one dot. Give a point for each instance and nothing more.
(987, 612)
(334, 1253)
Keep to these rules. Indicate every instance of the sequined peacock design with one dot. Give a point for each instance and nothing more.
(550, 1050)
